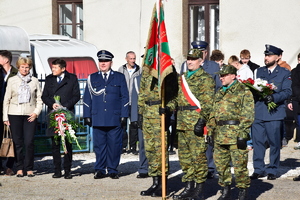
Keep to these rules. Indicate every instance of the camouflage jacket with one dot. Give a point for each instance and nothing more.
(149, 91)
(202, 86)
(235, 104)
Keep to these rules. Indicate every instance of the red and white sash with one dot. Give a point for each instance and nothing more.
(193, 101)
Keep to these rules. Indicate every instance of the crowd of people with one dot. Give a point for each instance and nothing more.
(216, 117)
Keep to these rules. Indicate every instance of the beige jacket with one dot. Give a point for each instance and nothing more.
(10, 102)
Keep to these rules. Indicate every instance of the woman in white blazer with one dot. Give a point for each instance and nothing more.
(21, 106)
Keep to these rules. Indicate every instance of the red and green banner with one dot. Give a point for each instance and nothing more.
(157, 59)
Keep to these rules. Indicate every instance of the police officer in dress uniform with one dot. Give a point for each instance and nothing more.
(105, 108)
(194, 105)
(268, 124)
(229, 125)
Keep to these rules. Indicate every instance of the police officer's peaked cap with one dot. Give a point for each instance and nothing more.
(202, 45)
(272, 50)
(104, 55)
(194, 53)
(227, 69)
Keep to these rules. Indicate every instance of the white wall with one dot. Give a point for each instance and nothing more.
(121, 26)
(252, 24)
(32, 15)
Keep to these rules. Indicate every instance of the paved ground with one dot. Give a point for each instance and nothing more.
(128, 187)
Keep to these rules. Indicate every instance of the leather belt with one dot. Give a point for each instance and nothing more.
(228, 122)
(181, 108)
(151, 103)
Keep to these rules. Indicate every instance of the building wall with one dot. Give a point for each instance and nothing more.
(121, 26)
(31, 15)
(252, 24)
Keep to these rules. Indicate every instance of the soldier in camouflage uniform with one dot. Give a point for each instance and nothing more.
(229, 126)
(149, 106)
(194, 100)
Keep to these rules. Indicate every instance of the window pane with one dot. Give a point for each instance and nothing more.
(65, 30)
(65, 13)
(214, 26)
(79, 11)
(197, 25)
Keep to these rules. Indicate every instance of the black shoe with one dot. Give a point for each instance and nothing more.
(296, 178)
(142, 175)
(271, 177)
(256, 176)
(57, 175)
(210, 175)
(20, 175)
(30, 175)
(114, 176)
(123, 150)
(99, 175)
(67, 175)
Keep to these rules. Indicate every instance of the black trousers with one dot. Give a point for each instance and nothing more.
(57, 157)
(133, 137)
(23, 138)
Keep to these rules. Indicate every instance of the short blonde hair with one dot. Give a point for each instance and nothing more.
(22, 61)
(232, 59)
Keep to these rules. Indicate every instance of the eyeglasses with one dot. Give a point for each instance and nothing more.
(245, 58)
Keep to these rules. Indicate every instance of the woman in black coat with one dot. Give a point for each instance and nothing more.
(61, 83)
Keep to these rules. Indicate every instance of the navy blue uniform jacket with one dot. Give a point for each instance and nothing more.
(281, 78)
(107, 108)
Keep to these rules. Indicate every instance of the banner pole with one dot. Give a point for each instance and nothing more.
(163, 146)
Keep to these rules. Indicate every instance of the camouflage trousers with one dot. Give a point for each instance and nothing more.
(152, 140)
(223, 154)
(192, 158)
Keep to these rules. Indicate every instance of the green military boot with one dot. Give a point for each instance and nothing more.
(198, 192)
(155, 186)
(187, 192)
(226, 193)
(243, 193)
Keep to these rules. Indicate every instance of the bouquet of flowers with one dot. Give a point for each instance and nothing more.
(64, 125)
(263, 88)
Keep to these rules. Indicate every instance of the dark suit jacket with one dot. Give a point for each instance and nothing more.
(68, 90)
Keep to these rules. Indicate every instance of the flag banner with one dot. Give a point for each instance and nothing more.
(157, 59)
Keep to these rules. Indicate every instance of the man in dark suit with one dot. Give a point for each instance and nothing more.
(268, 123)
(61, 83)
(6, 71)
(105, 108)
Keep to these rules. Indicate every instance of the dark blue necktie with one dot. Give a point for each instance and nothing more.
(270, 72)
(59, 79)
(105, 77)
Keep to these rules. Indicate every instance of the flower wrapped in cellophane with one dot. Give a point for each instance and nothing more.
(262, 88)
(64, 125)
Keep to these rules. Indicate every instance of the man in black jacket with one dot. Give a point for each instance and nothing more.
(61, 83)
